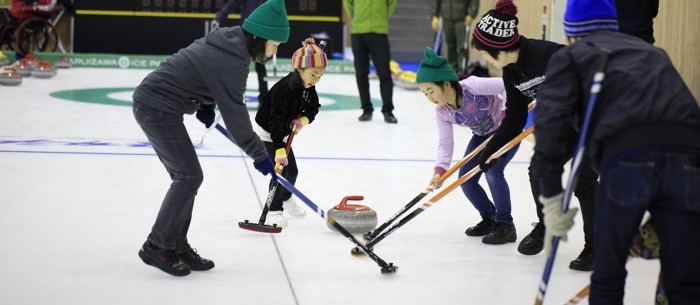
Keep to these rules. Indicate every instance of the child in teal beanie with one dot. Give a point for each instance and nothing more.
(477, 103)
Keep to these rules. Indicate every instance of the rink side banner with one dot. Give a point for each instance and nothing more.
(284, 65)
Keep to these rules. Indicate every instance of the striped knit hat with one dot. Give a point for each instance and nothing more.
(585, 16)
(498, 28)
(309, 56)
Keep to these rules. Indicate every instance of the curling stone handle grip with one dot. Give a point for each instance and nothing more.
(343, 203)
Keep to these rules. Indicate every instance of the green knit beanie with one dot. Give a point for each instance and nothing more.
(434, 68)
(269, 21)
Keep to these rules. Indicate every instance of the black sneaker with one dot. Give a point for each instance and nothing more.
(390, 118)
(196, 262)
(162, 259)
(584, 262)
(502, 233)
(533, 242)
(366, 116)
(482, 228)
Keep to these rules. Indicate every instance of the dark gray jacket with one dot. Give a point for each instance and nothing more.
(212, 70)
(643, 102)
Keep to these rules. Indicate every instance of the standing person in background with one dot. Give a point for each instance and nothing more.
(370, 40)
(210, 72)
(245, 8)
(476, 103)
(292, 101)
(636, 17)
(644, 139)
(524, 62)
(456, 15)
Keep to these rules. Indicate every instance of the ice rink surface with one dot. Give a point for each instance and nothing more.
(80, 191)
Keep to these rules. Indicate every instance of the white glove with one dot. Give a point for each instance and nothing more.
(556, 221)
(214, 24)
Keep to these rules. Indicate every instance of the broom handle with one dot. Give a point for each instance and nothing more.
(451, 187)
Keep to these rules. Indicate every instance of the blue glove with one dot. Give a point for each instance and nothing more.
(206, 114)
(266, 167)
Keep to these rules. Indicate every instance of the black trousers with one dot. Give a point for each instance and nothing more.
(585, 189)
(289, 172)
(375, 47)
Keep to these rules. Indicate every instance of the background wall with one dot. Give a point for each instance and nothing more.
(674, 31)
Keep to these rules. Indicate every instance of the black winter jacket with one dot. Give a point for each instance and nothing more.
(643, 102)
(283, 104)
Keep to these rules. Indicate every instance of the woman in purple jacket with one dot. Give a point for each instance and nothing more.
(476, 103)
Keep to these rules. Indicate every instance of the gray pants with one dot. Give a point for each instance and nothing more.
(171, 142)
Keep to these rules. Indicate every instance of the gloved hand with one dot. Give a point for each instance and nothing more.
(556, 221)
(265, 166)
(435, 23)
(281, 156)
(214, 24)
(206, 114)
(484, 156)
(435, 181)
(300, 123)
(468, 20)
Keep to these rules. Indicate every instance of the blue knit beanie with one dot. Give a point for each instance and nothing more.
(585, 16)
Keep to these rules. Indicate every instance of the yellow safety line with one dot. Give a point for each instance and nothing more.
(195, 15)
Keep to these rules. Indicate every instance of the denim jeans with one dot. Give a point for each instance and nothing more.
(375, 47)
(171, 142)
(289, 172)
(500, 208)
(667, 184)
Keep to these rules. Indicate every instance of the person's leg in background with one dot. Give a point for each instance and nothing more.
(380, 51)
(448, 28)
(360, 50)
(460, 31)
(585, 192)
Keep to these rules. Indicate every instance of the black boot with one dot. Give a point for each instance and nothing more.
(196, 262)
(502, 233)
(584, 262)
(366, 116)
(390, 118)
(482, 228)
(162, 259)
(533, 242)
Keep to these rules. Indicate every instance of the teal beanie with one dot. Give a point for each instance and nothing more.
(269, 21)
(434, 68)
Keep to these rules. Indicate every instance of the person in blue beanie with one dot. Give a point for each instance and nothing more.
(643, 139)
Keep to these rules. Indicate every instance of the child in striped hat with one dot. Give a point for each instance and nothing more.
(292, 101)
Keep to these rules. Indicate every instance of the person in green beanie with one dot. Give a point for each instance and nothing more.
(477, 103)
(211, 72)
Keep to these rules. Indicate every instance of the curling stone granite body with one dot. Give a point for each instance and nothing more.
(44, 70)
(354, 218)
(10, 77)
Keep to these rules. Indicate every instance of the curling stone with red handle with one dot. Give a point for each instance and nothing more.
(354, 218)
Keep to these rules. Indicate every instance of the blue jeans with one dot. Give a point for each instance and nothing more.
(667, 184)
(171, 142)
(500, 211)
